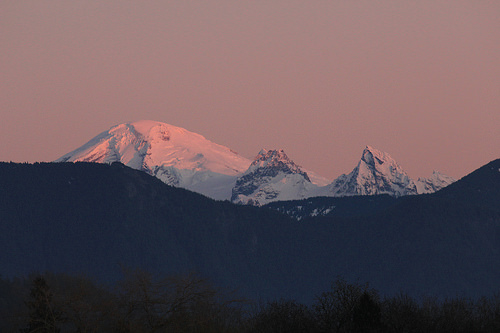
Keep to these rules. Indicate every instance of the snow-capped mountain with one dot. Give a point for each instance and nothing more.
(272, 176)
(174, 155)
(378, 173)
(185, 159)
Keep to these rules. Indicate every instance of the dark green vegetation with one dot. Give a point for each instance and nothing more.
(94, 219)
(341, 207)
(141, 302)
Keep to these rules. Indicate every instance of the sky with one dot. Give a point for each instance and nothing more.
(419, 80)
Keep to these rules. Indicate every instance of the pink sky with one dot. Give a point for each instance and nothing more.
(320, 79)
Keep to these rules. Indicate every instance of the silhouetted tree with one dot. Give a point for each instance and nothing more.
(175, 303)
(284, 316)
(401, 314)
(86, 306)
(43, 317)
(367, 315)
(488, 313)
(334, 310)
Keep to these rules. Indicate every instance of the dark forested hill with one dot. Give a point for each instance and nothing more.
(480, 188)
(94, 218)
(349, 206)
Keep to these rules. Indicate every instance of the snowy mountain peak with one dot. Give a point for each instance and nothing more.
(375, 158)
(148, 144)
(173, 154)
(277, 160)
(158, 131)
(271, 176)
(376, 173)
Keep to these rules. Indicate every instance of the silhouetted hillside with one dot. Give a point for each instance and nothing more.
(351, 206)
(480, 188)
(93, 218)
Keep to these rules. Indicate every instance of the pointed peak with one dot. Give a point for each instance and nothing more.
(373, 151)
(373, 156)
(273, 154)
(376, 173)
(262, 152)
(275, 159)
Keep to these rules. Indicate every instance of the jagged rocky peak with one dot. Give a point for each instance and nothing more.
(276, 160)
(271, 176)
(382, 162)
(375, 158)
(265, 157)
(376, 173)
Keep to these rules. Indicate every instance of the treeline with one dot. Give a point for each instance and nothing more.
(142, 302)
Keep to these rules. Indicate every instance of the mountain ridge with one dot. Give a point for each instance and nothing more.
(185, 159)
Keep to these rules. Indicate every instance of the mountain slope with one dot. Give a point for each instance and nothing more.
(480, 188)
(174, 155)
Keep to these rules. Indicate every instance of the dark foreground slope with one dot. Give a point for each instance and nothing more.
(93, 218)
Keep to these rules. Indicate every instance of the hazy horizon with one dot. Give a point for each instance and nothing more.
(321, 80)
